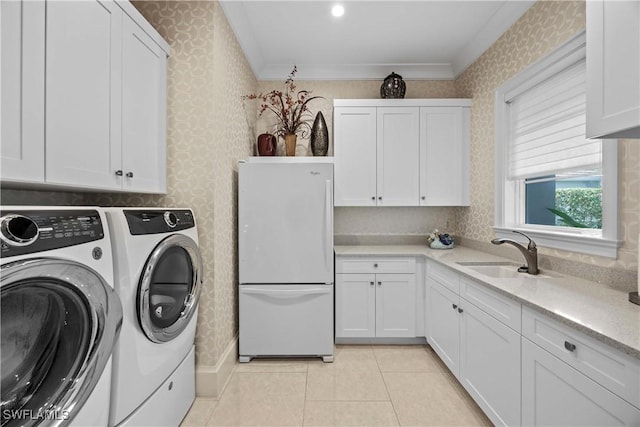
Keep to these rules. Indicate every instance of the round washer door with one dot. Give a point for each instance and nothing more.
(170, 288)
(59, 322)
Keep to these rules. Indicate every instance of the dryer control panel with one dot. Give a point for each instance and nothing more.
(158, 221)
(30, 231)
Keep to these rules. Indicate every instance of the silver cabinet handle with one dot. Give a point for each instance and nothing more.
(129, 174)
(569, 346)
(119, 172)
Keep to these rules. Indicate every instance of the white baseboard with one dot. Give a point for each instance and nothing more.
(210, 380)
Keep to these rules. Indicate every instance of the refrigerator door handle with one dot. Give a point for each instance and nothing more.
(328, 206)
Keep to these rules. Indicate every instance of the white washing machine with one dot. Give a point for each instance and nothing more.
(60, 316)
(158, 276)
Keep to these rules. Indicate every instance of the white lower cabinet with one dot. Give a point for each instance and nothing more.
(570, 379)
(355, 305)
(522, 367)
(444, 328)
(553, 393)
(395, 305)
(490, 364)
(372, 304)
(482, 352)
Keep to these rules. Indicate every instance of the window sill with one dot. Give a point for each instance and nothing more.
(571, 242)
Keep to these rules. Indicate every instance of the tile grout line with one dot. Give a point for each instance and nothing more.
(304, 403)
(395, 412)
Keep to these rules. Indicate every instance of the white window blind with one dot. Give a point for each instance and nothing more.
(547, 127)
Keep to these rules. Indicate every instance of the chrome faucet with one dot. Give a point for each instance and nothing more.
(530, 253)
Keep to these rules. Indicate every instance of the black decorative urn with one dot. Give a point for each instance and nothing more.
(393, 87)
(319, 136)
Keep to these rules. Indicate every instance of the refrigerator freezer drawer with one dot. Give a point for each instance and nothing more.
(286, 320)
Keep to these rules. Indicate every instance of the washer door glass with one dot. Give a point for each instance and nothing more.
(170, 288)
(59, 322)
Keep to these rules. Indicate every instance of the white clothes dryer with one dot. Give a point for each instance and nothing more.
(60, 316)
(158, 276)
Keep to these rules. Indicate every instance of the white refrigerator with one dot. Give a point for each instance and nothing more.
(285, 246)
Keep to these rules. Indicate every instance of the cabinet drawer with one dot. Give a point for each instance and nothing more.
(498, 306)
(445, 276)
(376, 265)
(607, 366)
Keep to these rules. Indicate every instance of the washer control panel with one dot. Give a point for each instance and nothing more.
(30, 231)
(158, 221)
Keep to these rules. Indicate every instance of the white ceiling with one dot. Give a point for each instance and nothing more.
(420, 39)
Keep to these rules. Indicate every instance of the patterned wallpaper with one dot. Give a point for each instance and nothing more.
(364, 221)
(356, 89)
(546, 25)
(207, 74)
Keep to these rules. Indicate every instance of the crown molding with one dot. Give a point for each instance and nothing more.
(357, 71)
(263, 70)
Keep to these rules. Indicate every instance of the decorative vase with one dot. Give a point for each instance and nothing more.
(393, 87)
(319, 136)
(267, 145)
(290, 144)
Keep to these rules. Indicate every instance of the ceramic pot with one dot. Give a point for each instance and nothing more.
(319, 136)
(290, 144)
(393, 87)
(267, 145)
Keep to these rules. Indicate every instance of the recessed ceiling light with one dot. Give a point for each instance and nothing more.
(337, 10)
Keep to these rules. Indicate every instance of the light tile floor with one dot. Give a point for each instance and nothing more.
(366, 385)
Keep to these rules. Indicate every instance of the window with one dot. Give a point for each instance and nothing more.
(551, 181)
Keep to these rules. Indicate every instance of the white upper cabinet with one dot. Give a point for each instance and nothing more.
(83, 139)
(396, 152)
(444, 156)
(144, 111)
(22, 89)
(613, 69)
(98, 81)
(354, 130)
(397, 156)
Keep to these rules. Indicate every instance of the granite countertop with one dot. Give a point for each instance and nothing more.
(593, 308)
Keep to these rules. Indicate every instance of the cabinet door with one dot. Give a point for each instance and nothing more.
(444, 320)
(355, 305)
(553, 393)
(444, 156)
(613, 69)
(144, 83)
(355, 156)
(490, 364)
(22, 88)
(396, 305)
(398, 156)
(83, 93)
